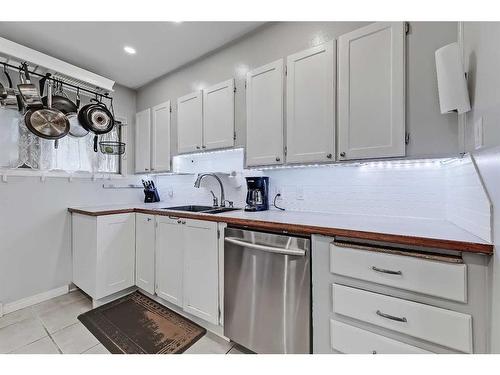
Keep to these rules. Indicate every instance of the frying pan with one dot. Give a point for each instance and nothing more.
(75, 128)
(60, 101)
(47, 122)
(96, 118)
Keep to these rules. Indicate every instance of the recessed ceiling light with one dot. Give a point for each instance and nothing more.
(177, 21)
(129, 50)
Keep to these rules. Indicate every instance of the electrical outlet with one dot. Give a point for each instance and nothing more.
(278, 190)
(299, 193)
(478, 133)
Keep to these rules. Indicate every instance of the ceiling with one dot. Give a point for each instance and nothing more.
(98, 46)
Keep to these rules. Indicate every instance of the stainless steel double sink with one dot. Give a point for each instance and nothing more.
(202, 209)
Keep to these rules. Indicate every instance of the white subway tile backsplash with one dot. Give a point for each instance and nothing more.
(449, 191)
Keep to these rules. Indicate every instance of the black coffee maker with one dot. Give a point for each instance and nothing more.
(257, 194)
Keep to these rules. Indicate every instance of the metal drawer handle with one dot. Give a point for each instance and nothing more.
(391, 317)
(269, 249)
(390, 272)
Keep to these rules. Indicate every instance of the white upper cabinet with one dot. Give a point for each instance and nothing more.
(143, 141)
(190, 122)
(160, 141)
(310, 109)
(218, 116)
(152, 139)
(371, 92)
(264, 98)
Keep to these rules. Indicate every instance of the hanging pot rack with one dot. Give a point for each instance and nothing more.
(48, 77)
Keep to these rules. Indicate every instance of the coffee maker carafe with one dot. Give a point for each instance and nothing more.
(257, 194)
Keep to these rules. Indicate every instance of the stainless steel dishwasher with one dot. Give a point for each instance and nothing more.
(267, 291)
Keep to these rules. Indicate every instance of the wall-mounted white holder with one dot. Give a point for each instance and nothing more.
(452, 84)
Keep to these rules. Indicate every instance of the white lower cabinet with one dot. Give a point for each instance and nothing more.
(187, 266)
(145, 252)
(103, 253)
(201, 270)
(177, 259)
(441, 326)
(348, 339)
(169, 259)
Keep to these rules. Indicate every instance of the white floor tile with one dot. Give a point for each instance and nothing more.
(42, 346)
(210, 344)
(98, 349)
(58, 302)
(74, 339)
(59, 318)
(20, 334)
(16, 316)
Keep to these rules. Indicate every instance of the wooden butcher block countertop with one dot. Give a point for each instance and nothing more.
(431, 233)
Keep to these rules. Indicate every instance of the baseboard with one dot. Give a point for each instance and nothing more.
(33, 300)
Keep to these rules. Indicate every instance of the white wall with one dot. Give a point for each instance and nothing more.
(482, 62)
(35, 249)
(430, 132)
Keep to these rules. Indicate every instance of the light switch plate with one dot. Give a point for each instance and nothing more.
(478, 133)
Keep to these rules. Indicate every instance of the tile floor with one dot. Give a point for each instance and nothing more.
(52, 327)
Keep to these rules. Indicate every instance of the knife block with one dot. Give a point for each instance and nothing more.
(151, 195)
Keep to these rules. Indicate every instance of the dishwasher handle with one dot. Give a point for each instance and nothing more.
(269, 249)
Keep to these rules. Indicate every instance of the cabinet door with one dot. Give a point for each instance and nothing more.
(189, 122)
(310, 109)
(201, 270)
(169, 259)
(143, 141)
(145, 252)
(218, 115)
(265, 115)
(160, 138)
(115, 253)
(372, 92)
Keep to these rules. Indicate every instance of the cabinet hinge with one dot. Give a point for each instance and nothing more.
(286, 70)
(245, 84)
(170, 109)
(286, 150)
(234, 136)
(218, 233)
(220, 315)
(234, 89)
(407, 138)
(407, 28)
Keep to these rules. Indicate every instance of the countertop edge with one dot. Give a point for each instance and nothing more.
(471, 247)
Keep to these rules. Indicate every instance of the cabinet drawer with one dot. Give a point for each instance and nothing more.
(444, 327)
(439, 279)
(353, 340)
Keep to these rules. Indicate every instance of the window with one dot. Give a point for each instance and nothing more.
(19, 148)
